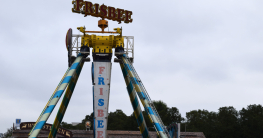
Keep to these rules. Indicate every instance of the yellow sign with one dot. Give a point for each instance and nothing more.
(46, 127)
(103, 11)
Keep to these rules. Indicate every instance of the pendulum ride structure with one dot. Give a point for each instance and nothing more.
(102, 50)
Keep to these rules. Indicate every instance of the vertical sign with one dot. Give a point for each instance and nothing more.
(101, 74)
(18, 122)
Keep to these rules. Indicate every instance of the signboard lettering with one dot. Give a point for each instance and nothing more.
(100, 134)
(101, 102)
(46, 127)
(101, 81)
(101, 69)
(101, 91)
(100, 124)
(100, 113)
(103, 11)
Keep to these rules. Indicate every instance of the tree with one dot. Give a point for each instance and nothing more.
(168, 115)
(162, 109)
(251, 120)
(174, 115)
(228, 124)
(80, 126)
(117, 120)
(132, 123)
(120, 121)
(8, 134)
(223, 124)
(202, 121)
(196, 120)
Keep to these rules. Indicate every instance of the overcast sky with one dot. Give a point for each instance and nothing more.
(191, 54)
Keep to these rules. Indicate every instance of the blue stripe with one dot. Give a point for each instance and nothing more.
(74, 66)
(137, 122)
(141, 95)
(157, 125)
(130, 88)
(40, 125)
(54, 131)
(60, 116)
(94, 127)
(140, 118)
(134, 80)
(135, 103)
(66, 79)
(128, 66)
(72, 86)
(58, 94)
(145, 133)
(93, 97)
(66, 102)
(49, 109)
(150, 110)
(92, 72)
(79, 68)
(125, 73)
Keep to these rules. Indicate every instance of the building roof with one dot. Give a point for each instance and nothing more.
(111, 134)
(192, 135)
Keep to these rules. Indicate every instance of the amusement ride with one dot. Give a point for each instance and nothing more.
(103, 48)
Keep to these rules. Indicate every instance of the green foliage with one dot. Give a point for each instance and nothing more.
(8, 134)
(168, 115)
(197, 120)
(252, 121)
(70, 126)
(120, 121)
(117, 120)
(174, 115)
(80, 126)
(227, 122)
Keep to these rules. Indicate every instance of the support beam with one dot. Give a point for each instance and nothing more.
(49, 101)
(145, 100)
(65, 102)
(135, 104)
(56, 98)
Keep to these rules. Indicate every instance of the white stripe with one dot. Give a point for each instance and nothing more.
(44, 117)
(62, 86)
(71, 72)
(53, 101)
(77, 59)
(35, 133)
